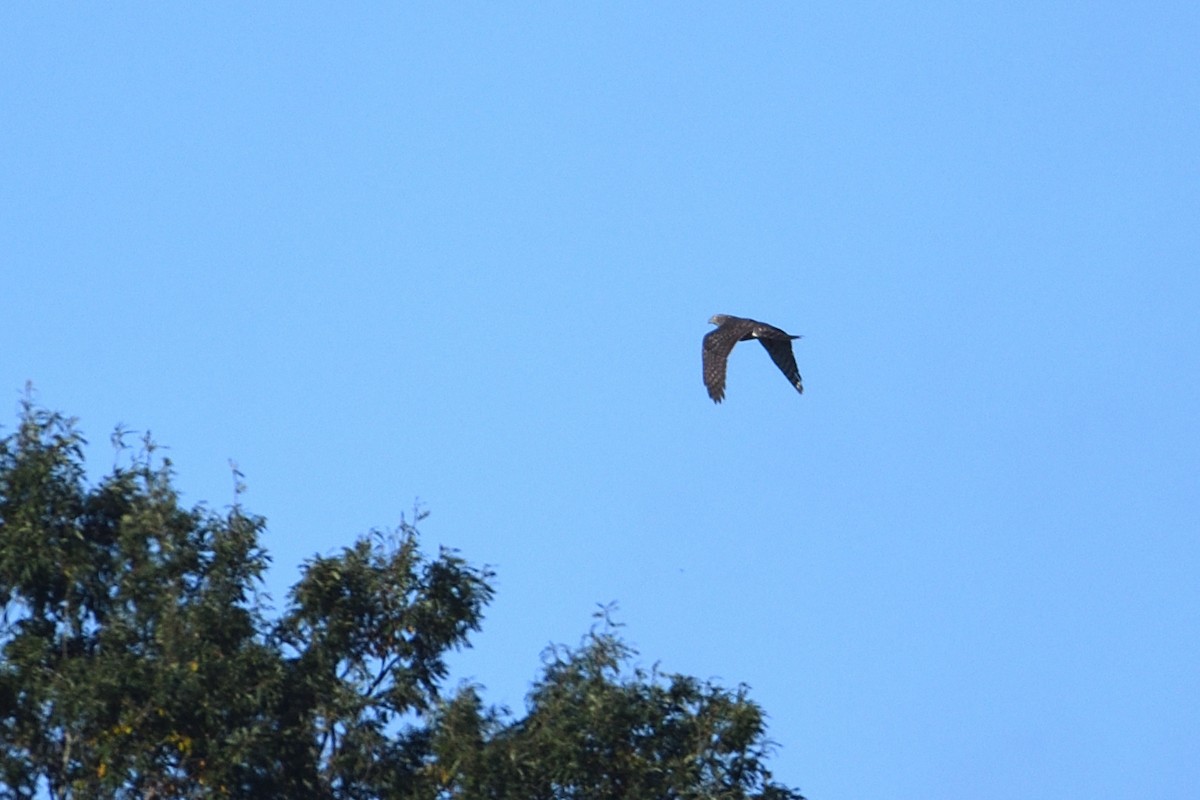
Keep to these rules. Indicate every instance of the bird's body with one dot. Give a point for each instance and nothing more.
(730, 330)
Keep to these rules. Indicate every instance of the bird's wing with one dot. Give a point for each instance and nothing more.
(718, 344)
(781, 353)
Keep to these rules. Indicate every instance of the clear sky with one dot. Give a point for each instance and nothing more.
(465, 253)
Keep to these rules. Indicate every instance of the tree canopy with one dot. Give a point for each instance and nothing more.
(139, 659)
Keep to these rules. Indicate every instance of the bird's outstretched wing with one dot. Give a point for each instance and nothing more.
(781, 354)
(718, 344)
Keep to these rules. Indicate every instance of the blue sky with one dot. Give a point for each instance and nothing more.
(465, 254)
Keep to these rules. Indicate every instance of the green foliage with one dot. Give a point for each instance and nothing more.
(137, 659)
(598, 729)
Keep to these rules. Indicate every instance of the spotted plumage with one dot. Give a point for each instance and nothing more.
(718, 344)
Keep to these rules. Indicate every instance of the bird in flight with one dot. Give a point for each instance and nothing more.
(718, 344)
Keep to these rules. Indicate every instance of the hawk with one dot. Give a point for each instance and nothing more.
(718, 344)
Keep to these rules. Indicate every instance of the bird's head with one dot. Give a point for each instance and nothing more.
(717, 319)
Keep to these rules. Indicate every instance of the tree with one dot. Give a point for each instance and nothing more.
(139, 660)
(598, 728)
